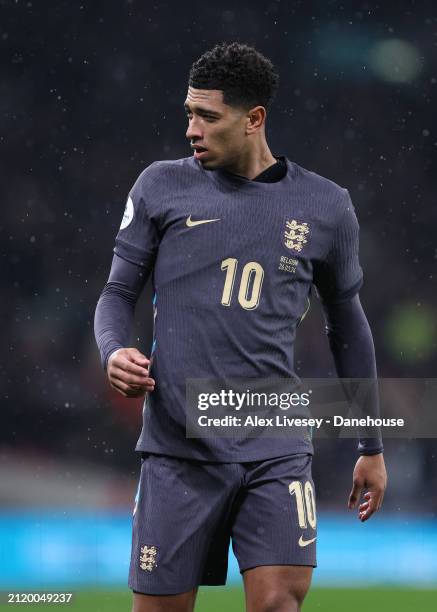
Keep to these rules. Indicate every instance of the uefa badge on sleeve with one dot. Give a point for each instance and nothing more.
(128, 214)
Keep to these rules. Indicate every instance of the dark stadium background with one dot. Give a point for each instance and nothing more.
(91, 93)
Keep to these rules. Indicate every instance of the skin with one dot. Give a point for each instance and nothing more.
(235, 141)
(370, 474)
(128, 373)
(164, 603)
(280, 588)
(234, 137)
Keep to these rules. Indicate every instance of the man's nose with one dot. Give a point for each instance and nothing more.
(193, 132)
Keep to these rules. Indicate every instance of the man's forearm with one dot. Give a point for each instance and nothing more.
(113, 320)
(351, 343)
(114, 316)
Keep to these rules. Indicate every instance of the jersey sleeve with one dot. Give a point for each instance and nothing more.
(339, 277)
(137, 240)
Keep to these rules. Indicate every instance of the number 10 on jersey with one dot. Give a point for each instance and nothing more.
(250, 283)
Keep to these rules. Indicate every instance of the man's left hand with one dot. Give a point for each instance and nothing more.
(370, 474)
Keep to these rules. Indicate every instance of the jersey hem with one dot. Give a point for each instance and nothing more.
(301, 448)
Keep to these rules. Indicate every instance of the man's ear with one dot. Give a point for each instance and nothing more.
(255, 119)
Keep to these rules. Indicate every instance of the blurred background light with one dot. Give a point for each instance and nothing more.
(395, 60)
(92, 549)
(344, 52)
(411, 332)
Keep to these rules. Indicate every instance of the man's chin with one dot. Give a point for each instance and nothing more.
(208, 164)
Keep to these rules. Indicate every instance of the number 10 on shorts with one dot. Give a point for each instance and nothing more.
(305, 502)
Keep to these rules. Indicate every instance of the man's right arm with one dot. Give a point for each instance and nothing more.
(136, 247)
(127, 368)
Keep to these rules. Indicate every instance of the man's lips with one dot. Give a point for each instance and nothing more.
(199, 152)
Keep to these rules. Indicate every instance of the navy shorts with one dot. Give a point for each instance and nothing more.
(186, 512)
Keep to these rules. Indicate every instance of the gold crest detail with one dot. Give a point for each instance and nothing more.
(295, 235)
(148, 558)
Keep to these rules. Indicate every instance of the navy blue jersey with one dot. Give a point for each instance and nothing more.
(233, 263)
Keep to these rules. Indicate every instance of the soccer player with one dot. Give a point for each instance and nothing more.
(235, 237)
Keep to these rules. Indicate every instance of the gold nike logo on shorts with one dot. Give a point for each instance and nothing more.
(303, 542)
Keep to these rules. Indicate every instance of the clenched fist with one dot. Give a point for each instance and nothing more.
(128, 372)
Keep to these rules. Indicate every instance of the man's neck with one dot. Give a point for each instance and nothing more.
(254, 163)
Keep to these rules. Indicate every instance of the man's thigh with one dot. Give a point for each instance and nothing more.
(276, 587)
(183, 602)
(275, 518)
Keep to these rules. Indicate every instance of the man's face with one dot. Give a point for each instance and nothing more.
(216, 131)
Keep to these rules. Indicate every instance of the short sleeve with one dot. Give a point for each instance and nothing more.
(137, 240)
(339, 277)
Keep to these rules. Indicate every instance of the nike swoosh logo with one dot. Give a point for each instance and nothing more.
(191, 223)
(303, 542)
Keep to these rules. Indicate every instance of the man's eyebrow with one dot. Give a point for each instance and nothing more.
(203, 111)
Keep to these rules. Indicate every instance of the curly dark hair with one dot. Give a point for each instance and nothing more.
(245, 76)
